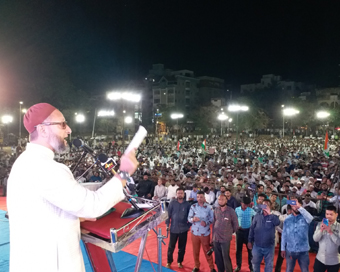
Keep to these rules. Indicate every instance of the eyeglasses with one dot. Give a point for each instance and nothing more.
(62, 124)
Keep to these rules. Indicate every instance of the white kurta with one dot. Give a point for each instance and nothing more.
(44, 204)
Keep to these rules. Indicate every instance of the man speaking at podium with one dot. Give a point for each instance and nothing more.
(45, 201)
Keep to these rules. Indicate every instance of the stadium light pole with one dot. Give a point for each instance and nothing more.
(288, 112)
(177, 116)
(125, 95)
(237, 109)
(324, 115)
(101, 113)
(222, 117)
(229, 121)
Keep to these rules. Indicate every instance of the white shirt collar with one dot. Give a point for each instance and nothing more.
(42, 150)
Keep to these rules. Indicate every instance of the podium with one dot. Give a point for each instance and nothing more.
(112, 233)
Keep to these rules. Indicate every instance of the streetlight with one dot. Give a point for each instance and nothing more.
(80, 118)
(322, 114)
(101, 113)
(287, 112)
(237, 109)
(128, 96)
(177, 116)
(229, 121)
(222, 117)
(6, 119)
(128, 120)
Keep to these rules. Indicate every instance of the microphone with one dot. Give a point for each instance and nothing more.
(79, 143)
(109, 165)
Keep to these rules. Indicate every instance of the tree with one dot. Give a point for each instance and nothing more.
(254, 118)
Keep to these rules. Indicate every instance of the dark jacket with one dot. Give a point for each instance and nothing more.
(178, 216)
(145, 187)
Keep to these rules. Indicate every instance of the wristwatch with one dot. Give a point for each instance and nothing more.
(124, 175)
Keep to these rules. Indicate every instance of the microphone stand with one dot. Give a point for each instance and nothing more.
(128, 213)
(78, 162)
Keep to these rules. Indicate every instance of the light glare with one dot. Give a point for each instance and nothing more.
(128, 119)
(222, 117)
(6, 119)
(176, 115)
(105, 113)
(128, 96)
(322, 114)
(238, 108)
(290, 112)
(80, 118)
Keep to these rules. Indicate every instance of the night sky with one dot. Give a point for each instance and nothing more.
(100, 45)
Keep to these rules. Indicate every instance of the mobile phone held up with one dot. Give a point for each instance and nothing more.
(325, 221)
(291, 202)
(262, 206)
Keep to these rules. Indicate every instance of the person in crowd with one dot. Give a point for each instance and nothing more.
(145, 187)
(307, 202)
(193, 194)
(323, 195)
(282, 218)
(160, 191)
(201, 217)
(96, 177)
(260, 190)
(231, 200)
(245, 216)
(294, 244)
(172, 190)
(178, 212)
(224, 225)
(239, 193)
(221, 191)
(275, 205)
(57, 198)
(262, 237)
(327, 234)
(259, 200)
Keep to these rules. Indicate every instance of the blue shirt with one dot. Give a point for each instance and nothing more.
(204, 213)
(295, 232)
(244, 217)
(262, 230)
(193, 195)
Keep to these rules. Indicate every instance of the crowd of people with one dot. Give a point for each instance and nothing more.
(269, 192)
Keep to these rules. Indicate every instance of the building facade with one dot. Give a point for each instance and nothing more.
(288, 87)
(180, 88)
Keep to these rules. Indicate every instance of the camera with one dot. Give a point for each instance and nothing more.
(211, 250)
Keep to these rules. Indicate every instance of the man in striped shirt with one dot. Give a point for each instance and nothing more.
(245, 215)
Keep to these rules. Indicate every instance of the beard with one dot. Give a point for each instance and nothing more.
(296, 212)
(58, 144)
(222, 205)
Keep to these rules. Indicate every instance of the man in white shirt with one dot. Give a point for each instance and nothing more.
(39, 184)
(172, 190)
(307, 202)
(160, 190)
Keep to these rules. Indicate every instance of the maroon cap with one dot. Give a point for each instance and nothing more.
(36, 114)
